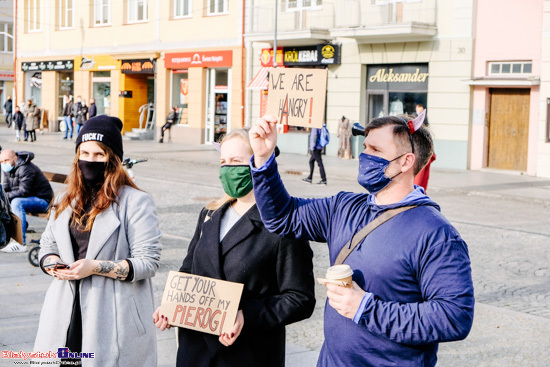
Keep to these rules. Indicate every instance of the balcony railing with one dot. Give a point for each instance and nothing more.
(338, 14)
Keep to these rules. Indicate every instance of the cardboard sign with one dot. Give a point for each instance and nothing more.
(297, 96)
(200, 303)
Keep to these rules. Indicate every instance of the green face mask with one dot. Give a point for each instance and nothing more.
(236, 180)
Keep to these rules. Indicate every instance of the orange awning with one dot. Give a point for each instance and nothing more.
(260, 80)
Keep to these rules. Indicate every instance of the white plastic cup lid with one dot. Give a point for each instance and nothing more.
(339, 272)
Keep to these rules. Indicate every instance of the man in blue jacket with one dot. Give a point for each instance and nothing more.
(412, 284)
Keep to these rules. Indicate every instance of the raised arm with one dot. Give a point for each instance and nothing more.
(285, 215)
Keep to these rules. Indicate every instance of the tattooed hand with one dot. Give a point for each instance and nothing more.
(84, 268)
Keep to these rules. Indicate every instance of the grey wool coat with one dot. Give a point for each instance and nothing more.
(116, 315)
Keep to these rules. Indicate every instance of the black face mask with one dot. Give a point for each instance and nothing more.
(92, 172)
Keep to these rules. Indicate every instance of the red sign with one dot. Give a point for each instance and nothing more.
(199, 59)
(267, 56)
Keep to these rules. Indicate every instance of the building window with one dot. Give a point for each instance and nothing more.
(66, 14)
(297, 5)
(508, 68)
(216, 7)
(102, 12)
(182, 8)
(33, 15)
(137, 11)
(6, 37)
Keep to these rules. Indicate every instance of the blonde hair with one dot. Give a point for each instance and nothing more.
(243, 135)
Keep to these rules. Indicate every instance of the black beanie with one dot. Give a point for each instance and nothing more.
(105, 129)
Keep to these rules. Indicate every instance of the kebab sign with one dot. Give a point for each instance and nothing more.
(200, 303)
(297, 96)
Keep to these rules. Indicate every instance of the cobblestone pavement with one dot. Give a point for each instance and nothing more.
(508, 240)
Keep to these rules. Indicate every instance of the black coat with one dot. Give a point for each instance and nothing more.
(277, 274)
(93, 110)
(26, 179)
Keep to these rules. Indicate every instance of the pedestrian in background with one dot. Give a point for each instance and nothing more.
(82, 115)
(170, 120)
(67, 116)
(32, 123)
(8, 105)
(106, 233)
(316, 151)
(231, 243)
(18, 122)
(422, 178)
(93, 108)
(77, 114)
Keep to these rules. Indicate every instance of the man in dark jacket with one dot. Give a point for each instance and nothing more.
(8, 110)
(26, 187)
(412, 282)
(316, 150)
(93, 108)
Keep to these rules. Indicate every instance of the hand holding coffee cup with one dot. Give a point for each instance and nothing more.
(338, 274)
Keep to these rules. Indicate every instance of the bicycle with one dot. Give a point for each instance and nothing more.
(128, 163)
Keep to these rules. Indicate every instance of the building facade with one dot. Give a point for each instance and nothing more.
(6, 51)
(394, 54)
(137, 59)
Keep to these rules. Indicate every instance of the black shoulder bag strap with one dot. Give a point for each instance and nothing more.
(364, 232)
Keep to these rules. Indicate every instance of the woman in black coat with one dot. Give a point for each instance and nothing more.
(231, 243)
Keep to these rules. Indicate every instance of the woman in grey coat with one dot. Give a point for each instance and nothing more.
(102, 246)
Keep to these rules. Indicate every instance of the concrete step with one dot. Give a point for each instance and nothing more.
(139, 134)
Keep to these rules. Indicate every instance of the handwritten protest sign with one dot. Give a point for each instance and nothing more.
(200, 303)
(297, 96)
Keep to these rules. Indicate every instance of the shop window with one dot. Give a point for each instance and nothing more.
(297, 5)
(180, 87)
(102, 12)
(101, 91)
(6, 37)
(404, 103)
(182, 8)
(33, 15)
(510, 68)
(66, 14)
(216, 7)
(65, 88)
(137, 11)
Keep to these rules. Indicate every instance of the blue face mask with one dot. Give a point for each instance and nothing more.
(6, 167)
(372, 172)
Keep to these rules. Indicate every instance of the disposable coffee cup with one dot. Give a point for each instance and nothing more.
(340, 273)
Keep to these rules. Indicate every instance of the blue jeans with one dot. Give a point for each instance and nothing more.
(78, 127)
(69, 125)
(20, 206)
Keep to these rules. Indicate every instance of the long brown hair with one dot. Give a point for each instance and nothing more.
(77, 195)
(243, 135)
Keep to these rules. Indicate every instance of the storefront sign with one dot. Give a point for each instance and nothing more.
(398, 76)
(200, 59)
(303, 55)
(6, 75)
(311, 55)
(96, 63)
(57, 65)
(297, 96)
(200, 303)
(267, 56)
(125, 94)
(143, 66)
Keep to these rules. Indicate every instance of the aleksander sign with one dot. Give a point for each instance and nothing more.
(398, 76)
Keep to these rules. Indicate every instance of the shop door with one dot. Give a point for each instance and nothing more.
(218, 108)
(508, 129)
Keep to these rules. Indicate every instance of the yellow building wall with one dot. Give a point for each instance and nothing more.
(128, 108)
(49, 99)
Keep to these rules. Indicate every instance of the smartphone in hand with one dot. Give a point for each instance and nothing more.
(56, 266)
